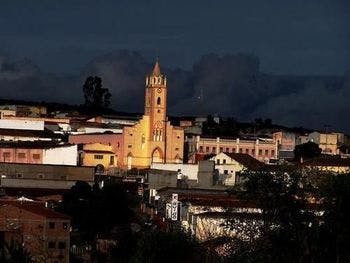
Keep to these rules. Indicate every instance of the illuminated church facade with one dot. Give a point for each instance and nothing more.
(153, 139)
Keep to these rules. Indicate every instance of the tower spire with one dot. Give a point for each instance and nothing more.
(156, 69)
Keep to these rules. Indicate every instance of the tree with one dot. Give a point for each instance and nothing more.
(307, 150)
(95, 95)
(291, 228)
(14, 252)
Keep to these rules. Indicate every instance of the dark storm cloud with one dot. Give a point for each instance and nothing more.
(67, 41)
(230, 85)
(299, 37)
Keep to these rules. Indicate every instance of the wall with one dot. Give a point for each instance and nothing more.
(105, 151)
(12, 155)
(21, 124)
(48, 172)
(189, 170)
(32, 230)
(64, 155)
(262, 150)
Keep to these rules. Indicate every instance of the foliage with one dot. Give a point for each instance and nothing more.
(97, 211)
(14, 253)
(157, 246)
(307, 150)
(291, 229)
(95, 96)
(226, 128)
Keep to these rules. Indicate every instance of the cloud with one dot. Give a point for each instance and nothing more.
(229, 85)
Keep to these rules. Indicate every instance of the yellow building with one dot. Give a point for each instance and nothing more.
(98, 155)
(153, 139)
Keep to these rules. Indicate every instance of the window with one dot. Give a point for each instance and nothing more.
(52, 244)
(129, 146)
(225, 171)
(273, 152)
(224, 161)
(253, 151)
(51, 225)
(227, 149)
(207, 149)
(234, 150)
(6, 154)
(158, 111)
(266, 152)
(158, 101)
(221, 149)
(111, 160)
(40, 176)
(130, 134)
(65, 225)
(61, 245)
(201, 149)
(218, 161)
(98, 156)
(247, 151)
(19, 176)
(176, 149)
(36, 156)
(240, 150)
(214, 149)
(260, 152)
(21, 155)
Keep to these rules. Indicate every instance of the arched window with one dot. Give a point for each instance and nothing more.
(158, 101)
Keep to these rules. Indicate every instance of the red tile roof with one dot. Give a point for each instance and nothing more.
(36, 208)
(246, 160)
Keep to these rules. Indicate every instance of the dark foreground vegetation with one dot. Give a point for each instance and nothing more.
(305, 217)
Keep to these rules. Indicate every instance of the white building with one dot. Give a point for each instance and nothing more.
(230, 165)
(61, 155)
(16, 124)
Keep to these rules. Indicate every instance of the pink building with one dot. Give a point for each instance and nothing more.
(262, 149)
(38, 152)
(111, 139)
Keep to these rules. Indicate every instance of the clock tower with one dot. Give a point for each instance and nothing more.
(155, 104)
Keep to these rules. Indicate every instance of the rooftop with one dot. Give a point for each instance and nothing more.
(35, 208)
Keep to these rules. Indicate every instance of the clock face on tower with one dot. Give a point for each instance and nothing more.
(159, 90)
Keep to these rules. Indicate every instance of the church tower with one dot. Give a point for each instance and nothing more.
(155, 104)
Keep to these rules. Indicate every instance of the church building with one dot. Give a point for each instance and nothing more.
(153, 138)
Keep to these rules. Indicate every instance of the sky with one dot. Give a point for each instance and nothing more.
(290, 37)
(284, 60)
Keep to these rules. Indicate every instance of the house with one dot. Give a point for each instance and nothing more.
(44, 233)
(285, 143)
(230, 165)
(335, 164)
(263, 150)
(98, 155)
(19, 177)
(328, 142)
(38, 152)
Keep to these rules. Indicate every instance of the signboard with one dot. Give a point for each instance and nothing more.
(174, 207)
